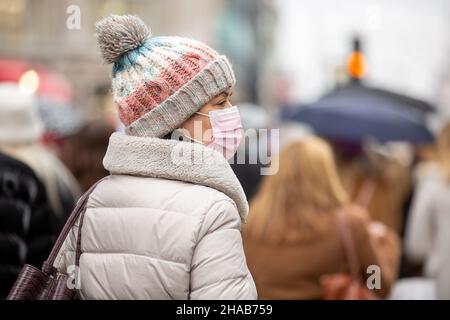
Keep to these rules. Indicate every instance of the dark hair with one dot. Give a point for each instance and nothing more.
(171, 135)
(83, 152)
(168, 136)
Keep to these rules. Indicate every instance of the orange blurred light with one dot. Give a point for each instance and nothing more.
(356, 65)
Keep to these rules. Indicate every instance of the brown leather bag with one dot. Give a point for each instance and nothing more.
(344, 286)
(48, 283)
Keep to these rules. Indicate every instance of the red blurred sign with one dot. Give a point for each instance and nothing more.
(51, 86)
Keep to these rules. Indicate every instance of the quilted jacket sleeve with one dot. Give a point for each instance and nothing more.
(219, 269)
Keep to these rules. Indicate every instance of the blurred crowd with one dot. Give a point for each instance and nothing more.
(397, 216)
(396, 199)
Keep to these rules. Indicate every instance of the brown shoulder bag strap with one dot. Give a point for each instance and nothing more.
(349, 246)
(47, 266)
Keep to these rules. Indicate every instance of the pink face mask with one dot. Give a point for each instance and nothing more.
(226, 130)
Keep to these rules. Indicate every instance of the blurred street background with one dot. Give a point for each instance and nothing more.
(300, 46)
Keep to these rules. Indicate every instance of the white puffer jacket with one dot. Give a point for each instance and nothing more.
(164, 225)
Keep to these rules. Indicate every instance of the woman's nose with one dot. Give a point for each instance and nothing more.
(228, 104)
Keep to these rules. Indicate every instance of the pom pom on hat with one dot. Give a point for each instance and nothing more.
(117, 35)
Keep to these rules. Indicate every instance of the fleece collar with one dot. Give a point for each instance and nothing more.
(174, 160)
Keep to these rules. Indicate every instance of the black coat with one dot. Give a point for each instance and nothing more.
(248, 174)
(28, 227)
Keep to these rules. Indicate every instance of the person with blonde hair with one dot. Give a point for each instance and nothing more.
(292, 239)
(427, 236)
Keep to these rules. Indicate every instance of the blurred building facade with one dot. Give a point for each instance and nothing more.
(406, 42)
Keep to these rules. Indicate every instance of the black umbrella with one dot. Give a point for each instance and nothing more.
(356, 112)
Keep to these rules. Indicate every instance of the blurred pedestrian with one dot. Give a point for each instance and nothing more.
(163, 226)
(378, 179)
(83, 152)
(29, 223)
(28, 227)
(427, 235)
(292, 239)
(21, 130)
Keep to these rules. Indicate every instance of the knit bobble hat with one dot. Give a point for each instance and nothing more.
(159, 82)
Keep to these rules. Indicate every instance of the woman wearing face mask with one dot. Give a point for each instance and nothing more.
(165, 224)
